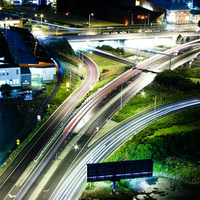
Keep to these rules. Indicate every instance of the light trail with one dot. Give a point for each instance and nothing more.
(76, 176)
(82, 112)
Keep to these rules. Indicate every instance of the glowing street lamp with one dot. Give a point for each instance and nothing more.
(76, 147)
(67, 85)
(41, 19)
(90, 14)
(91, 54)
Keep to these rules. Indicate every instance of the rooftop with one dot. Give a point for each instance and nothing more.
(19, 48)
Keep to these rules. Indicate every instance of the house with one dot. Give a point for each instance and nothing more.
(23, 60)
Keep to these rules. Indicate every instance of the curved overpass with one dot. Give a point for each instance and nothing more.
(8, 180)
(75, 178)
(94, 106)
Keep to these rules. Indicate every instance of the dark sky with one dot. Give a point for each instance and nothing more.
(85, 5)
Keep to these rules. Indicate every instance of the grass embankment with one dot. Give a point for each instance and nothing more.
(168, 86)
(108, 69)
(173, 142)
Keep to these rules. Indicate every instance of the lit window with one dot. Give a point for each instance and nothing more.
(13, 81)
(17, 81)
(8, 81)
(137, 3)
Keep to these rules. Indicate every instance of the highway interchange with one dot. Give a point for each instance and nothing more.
(91, 115)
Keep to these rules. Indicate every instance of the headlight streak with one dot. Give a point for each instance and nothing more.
(117, 137)
(117, 82)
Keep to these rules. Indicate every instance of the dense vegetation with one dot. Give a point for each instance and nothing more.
(173, 142)
(167, 86)
(109, 48)
(60, 48)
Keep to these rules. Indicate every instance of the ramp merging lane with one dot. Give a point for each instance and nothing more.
(110, 91)
(75, 180)
(9, 178)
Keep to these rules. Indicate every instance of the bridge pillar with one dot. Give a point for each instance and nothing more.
(189, 63)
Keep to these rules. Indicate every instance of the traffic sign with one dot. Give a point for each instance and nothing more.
(146, 51)
(153, 52)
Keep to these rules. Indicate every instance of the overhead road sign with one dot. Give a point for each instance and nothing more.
(115, 171)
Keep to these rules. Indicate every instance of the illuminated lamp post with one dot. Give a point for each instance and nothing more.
(41, 19)
(77, 147)
(91, 54)
(67, 85)
(90, 14)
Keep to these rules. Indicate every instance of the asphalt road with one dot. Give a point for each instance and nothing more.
(93, 109)
(74, 180)
(28, 153)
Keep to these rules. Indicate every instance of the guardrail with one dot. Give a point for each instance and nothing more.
(57, 134)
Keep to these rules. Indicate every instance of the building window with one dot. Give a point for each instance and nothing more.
(0, 73)
(137, 3)
(3, 73)
(17, 81)
(11, 82)
(7, 73)
(17, 71)
(8, 82)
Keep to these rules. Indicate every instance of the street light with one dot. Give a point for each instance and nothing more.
(77, 147)
(90, 14)
(175, 54)
(67, 85)
(41, 19)
(143, 94)
(91, 54)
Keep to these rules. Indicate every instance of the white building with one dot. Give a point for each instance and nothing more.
(10, 75)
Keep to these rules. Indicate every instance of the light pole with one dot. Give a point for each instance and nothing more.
(90, 14)
(41, 19)
(77, 147)
(175, 54)
(143, 94)
(90, 54)
(67, 85)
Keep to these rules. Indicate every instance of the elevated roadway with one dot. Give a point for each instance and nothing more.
(14, 171)
(74, 180)
(94, 107)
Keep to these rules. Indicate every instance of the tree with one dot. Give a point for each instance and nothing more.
(5, 90)
(187, 39)
(178, 39)
(199, 23)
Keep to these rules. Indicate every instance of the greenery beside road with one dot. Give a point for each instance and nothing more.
(105, 64)
(174, 145)
(168, 86)
(172, 142)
